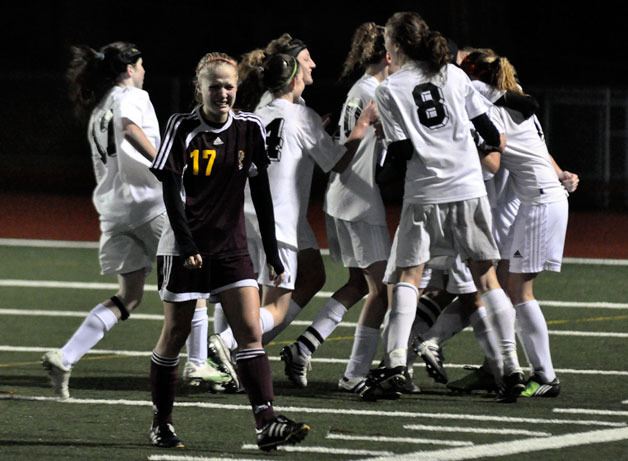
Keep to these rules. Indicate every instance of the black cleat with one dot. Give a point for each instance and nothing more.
(163, 436)
(280, 431)
(384, 383)
(480, 379)
(432, 355)
(512, 387)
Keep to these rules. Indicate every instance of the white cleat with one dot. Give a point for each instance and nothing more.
(59, 373)
(208, 372)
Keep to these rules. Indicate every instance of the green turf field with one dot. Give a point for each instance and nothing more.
(109, 414)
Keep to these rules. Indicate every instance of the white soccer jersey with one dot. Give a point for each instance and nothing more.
(434, 112)
(526, 156)
(353, 194)
(126, 193)
(296, 139)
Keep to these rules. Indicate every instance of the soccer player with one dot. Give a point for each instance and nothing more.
(536, 239)
(204, 163)
(123, 134)
(426, 108)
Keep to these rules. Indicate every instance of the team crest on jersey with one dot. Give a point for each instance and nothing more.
(241, 155)
(218, 142)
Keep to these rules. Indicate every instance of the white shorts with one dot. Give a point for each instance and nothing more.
(457, 279)
(447, 229)
(357, 244)
(128, 250)
(538, 237)
(504, 215)
(288, 257)
(305, 236)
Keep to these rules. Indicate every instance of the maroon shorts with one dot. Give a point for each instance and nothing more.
(177, 283)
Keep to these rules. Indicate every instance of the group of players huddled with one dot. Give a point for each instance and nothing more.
(221, 199)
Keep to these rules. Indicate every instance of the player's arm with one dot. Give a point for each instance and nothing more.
(263, 203)
(524, 103)
(395, 162)
(493, 140)
(137, 138)
(568, 179)
(491, 160)
(367, 118)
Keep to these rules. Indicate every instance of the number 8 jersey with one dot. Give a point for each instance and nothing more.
(433, 111)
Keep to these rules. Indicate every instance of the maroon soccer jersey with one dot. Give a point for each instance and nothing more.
(214, 163)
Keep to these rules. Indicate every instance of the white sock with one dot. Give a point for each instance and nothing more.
(266, 322)
(322, 326)
(293, 310)
(502, 317)
(402, 312)
(452, 320)
(533, 334)
(220, 321)
(196, 343)
(485, 336)
(363, 351)
(99, 321)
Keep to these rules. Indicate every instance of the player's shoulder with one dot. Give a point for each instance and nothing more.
(183, 121)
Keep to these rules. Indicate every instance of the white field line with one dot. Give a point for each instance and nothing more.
(379, 438)
(196, 458)
(159, 317)
(625, 402)
(330, 411)
(514, 447)
(20, 283)
(321, 360)
(589, 411)
(324, 450)
(475, 430)
(39, 243)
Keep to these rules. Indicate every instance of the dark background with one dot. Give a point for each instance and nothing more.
(554, 46)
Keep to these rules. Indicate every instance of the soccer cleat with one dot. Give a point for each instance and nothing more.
(432, 355)
(220, 355)
(409, 387)
(59, 373)
(384, 383)
(480, 379)
(296, 365)
(208, 372)
(280, 431)
(536, 388)
(163, 436)
(511, 388)
(354, 385)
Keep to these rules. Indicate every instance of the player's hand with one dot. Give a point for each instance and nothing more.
(369, 114)
(275, 277)
(569, 180)
(193, 262)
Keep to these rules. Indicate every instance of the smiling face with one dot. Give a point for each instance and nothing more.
(307, 64)
(217, 87)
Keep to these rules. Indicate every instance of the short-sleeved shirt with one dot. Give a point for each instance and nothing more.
(353, 194)
(433, 111)
(296, 140)
(214, 163)
(126, 193)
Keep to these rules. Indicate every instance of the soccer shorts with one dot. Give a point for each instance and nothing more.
(357, 244)
(122, 251)
(538, 237)
(178, 284)
(288, 257)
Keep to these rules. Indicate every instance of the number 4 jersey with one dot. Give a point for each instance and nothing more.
(433, 111)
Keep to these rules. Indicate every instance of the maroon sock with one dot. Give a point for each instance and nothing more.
(164, 373)
(256, 376)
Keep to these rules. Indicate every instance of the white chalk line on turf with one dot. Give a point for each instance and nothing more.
(324, 450)
(589, 411)
(475, 430)
(42, 243)
(413, 440)
(331, 411)
(514, 447)
(324, 360)
(197, 458)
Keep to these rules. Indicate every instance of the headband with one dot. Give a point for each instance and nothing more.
(294, 47)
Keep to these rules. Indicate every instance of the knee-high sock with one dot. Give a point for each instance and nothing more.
(483, 331)
(323, 325)
(363, 351)
(451, 321)
(427, 311)
(502, 317)
(266, 322)
(403, 310)
(220, 321)
(163, 384)
(293, 310)
(533, 334)
(256, 376)
(196, 343)
(98, 322)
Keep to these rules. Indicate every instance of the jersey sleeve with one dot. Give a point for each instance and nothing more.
(475, 103)
(133, 106)
(393, 131)
(260, 158)
(351, 111)
(317, 143)
(171, 155)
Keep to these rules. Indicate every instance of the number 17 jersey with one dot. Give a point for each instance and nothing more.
(433, 111)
